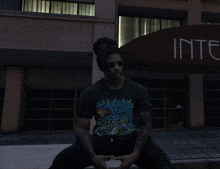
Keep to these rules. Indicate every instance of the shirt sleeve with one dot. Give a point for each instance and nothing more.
(86, 107)
(142, 103)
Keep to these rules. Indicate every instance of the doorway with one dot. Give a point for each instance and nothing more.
(170, 100)
(2, 95)
(211, 92)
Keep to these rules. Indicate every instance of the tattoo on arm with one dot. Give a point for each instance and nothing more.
(84, 138)
(144, 123)
(82, 133)
(143, 120)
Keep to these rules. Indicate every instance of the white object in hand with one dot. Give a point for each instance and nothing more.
(113, 163)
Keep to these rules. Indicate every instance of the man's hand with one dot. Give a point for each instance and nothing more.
(98, 161)
(127, 160)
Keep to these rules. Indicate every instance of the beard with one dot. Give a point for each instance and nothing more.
(115, 78)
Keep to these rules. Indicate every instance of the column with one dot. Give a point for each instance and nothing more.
(194, 12)
(12, 100)
(196, 100)
(106, 11)
(195, 80)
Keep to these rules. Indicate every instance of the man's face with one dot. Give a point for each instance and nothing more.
(114, 69)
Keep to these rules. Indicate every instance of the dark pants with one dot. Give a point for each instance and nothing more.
(76, 157)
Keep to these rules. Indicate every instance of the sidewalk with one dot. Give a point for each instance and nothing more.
(199, 148)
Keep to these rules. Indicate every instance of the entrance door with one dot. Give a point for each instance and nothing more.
(170, 99)
(212, 102)
(2, 94)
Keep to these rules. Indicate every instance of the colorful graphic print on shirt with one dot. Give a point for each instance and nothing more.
(114, 117)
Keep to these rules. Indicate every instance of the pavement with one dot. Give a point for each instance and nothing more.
(187, 148)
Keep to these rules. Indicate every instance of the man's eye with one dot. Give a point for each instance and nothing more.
(111, 64)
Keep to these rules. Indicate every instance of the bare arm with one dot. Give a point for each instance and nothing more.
(82, 133)
(143, 131)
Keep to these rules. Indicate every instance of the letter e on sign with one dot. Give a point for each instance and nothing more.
(210, 49)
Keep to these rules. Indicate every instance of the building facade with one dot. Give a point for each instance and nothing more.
(47, 60)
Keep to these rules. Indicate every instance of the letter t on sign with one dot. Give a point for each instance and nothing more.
(190, 42)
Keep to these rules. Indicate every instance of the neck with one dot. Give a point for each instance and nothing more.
(114, 82)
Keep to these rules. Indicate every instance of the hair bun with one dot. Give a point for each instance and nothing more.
(103, 46)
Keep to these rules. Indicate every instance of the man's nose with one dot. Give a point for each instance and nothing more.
(115, 68)
(116, 65)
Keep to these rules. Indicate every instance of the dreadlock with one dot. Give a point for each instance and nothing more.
(103, 48)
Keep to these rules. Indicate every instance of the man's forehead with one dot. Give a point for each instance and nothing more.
(114, 57)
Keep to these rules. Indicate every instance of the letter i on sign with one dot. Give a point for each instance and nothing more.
(175, 48)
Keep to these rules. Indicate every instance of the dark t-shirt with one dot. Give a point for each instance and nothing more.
(114, 110)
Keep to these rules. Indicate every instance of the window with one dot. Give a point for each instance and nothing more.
(128, 29)
(58, 7)
(210, 1)
(211, 23)
(134, 27)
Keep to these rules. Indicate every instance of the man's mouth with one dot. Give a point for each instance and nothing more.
(117, 74)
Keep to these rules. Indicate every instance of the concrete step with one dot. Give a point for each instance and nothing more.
(211, 163)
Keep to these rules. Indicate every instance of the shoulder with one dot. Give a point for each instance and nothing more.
(93, 89)
(137, 86)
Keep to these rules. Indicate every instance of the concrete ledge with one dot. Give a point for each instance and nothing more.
(42, 156)
(37, 15)
(213, 163)
(205, 160)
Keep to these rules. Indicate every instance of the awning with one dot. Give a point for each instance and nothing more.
(192, 49)
(43, 58)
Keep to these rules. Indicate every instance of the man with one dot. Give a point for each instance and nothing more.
(122, 111)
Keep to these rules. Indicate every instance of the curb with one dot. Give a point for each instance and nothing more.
(211, 163)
